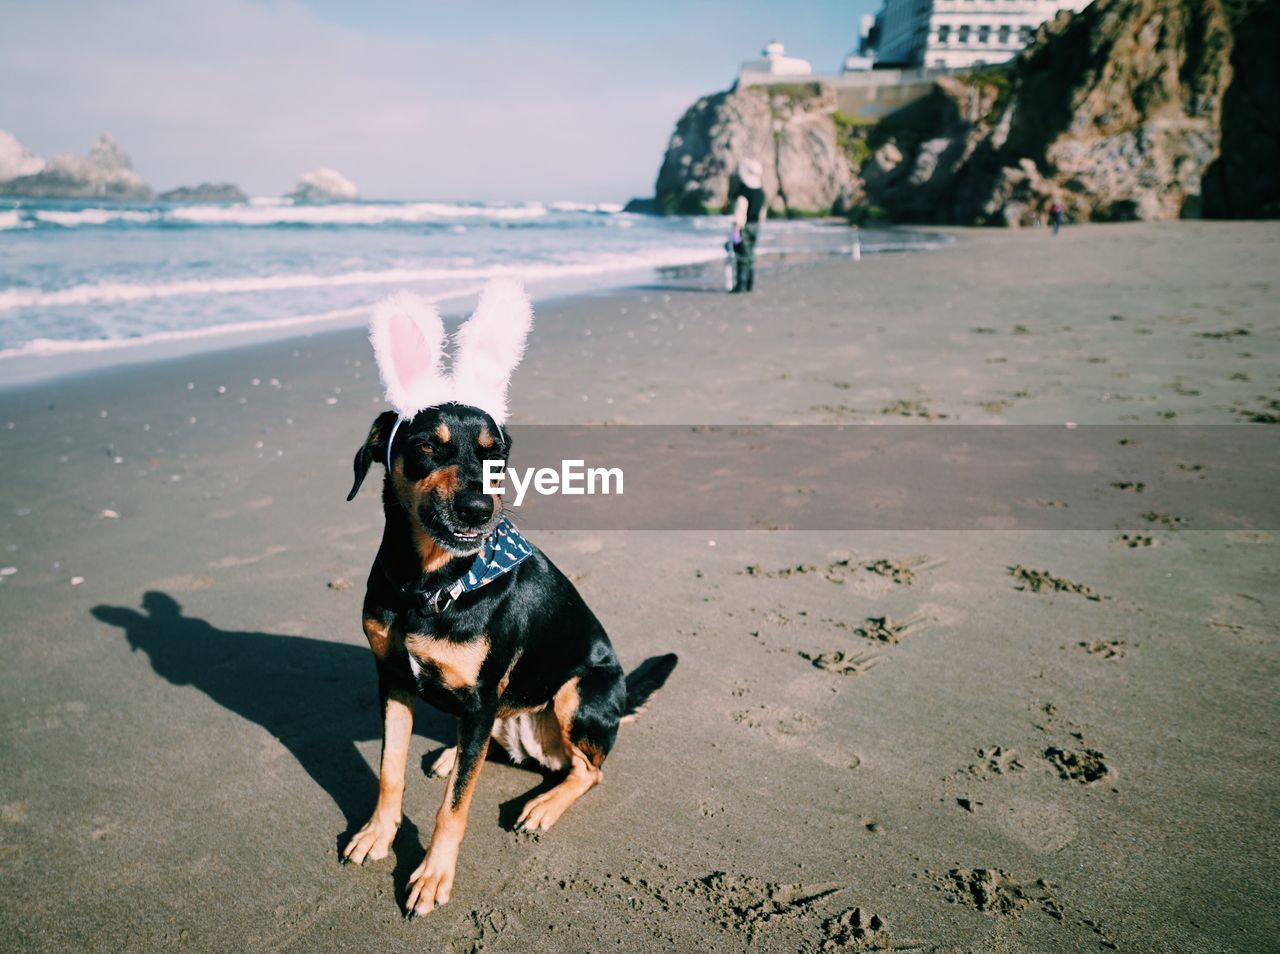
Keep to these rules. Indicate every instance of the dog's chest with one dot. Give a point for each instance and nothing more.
(450, 663)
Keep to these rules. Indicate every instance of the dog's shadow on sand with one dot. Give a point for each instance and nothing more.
(318, 698)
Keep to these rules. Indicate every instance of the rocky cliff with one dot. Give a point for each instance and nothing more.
(1131, 109)
(1115, 112)
(106, 173)
(789, 129)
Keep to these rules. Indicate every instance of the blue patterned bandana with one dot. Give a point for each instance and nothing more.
(503, 551)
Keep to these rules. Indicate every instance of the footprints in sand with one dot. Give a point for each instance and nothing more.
(996, 892)
(841, 571)
(1135, 540)
(737, 911)
(841, 663)
(1041, 581)
(748, 905)
(886, 629)
(870, 578)
(855, 929)
(1106, 648)
(995, 760)
(1085, 766)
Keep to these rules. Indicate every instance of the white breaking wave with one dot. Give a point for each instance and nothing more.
(606, 207)
(265, 212)
(106, 292)
(47, 347)
(346, 213)
(92, 217)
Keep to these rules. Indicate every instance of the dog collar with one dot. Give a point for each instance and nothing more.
(503, 550)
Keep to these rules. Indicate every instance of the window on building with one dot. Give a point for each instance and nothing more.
(1004, 35)
(944, 33)
(984, 34)
(1024, 35)
(963, 34)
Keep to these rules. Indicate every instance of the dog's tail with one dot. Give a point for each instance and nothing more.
(645, 680)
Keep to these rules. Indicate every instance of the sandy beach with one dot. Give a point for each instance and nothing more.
(880, 740)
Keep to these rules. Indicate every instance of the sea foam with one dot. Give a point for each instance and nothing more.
(114, 292)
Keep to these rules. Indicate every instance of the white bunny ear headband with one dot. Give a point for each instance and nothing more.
(409, 343)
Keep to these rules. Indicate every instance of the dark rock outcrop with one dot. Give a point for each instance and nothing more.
(1244, 181)
(106, 173)
(205, 192)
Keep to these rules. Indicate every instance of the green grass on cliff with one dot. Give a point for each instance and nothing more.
(851, 137)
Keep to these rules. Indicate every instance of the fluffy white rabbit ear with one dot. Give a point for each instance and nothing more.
(408, 343)
(489, 346)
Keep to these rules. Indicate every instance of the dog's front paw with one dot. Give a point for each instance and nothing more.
(372, 842)
(429, 887)
(542, 812)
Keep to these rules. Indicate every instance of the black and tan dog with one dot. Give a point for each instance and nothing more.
(520, 659)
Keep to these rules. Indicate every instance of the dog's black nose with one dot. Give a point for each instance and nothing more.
(473, 509)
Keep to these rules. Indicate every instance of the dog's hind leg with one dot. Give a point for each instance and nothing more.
(588, 710)
(373, 841)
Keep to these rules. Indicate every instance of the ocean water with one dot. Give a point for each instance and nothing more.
(83, 277)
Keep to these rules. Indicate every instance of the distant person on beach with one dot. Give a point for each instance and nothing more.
(749, 210)
(1055, 216)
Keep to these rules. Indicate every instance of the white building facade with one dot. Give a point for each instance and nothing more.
(960, 34)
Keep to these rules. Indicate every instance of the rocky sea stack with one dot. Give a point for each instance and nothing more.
(1130, 109)
(205, 192)
(324, 185)
(106, 173)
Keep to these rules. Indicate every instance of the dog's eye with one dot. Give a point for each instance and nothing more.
(425, 450)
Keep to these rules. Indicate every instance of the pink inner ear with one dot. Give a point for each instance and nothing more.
(410, 357)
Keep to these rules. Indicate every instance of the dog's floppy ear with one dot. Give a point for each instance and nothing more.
(489, 346)
(408, 342)
(375, 443)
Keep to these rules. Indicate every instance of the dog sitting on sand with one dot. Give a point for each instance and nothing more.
(460, 610)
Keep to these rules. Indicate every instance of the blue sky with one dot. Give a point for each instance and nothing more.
(489, 100)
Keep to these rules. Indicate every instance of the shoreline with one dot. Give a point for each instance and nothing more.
(56, 359)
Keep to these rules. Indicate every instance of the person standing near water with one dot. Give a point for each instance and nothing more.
(1055, 216)
(748, 207)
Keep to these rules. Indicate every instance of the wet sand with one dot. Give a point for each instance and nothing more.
(923, 740)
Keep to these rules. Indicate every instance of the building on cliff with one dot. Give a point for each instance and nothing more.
(960, 34)
(773, 66)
